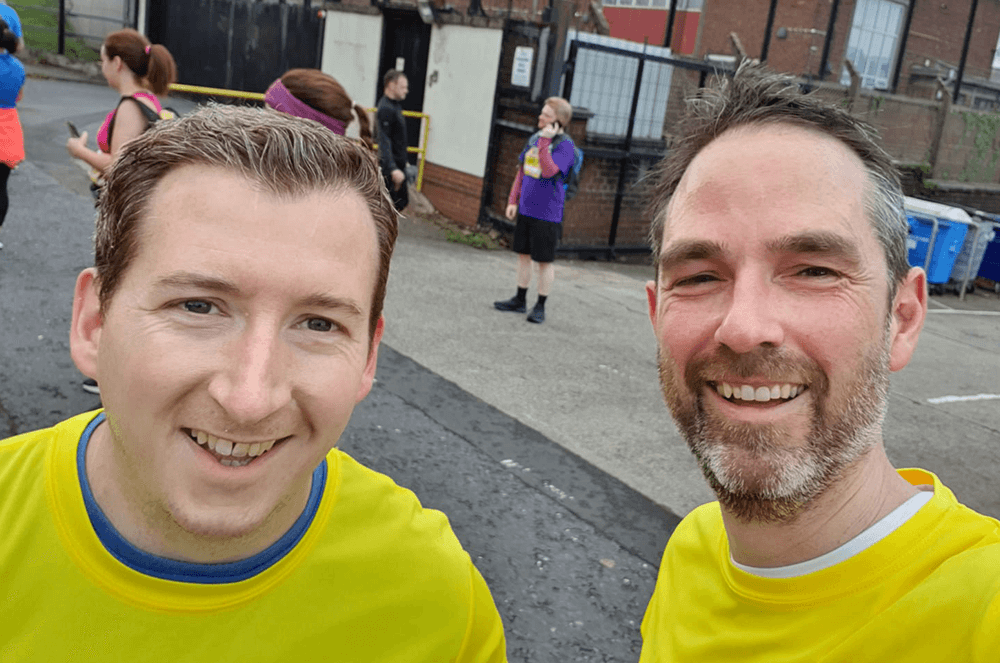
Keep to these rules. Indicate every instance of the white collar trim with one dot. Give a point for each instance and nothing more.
(858, 544)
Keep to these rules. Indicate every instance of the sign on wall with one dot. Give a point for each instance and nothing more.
(520, 73)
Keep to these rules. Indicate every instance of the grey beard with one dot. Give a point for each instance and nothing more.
(755, 476)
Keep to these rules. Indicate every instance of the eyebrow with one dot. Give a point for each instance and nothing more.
(688, 250)
(818, 243)
(226, 287)
(812, 242)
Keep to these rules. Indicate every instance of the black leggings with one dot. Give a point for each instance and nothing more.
(4, 202)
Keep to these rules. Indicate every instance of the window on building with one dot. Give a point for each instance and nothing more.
(872, 44)
(682, 5)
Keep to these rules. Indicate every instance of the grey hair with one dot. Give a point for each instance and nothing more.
(281, 154)
(757, 96)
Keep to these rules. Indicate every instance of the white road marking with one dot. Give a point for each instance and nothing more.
(953, 310)
(958, 399)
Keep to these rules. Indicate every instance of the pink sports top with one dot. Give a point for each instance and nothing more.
(104, 133)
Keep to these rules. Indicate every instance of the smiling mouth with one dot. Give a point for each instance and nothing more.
(229, 453)
(743, 393)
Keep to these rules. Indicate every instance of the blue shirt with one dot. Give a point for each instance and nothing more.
(13, 22)
(11, 80)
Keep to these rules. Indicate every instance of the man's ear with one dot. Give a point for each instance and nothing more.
(85, 328)
(369, 375)
(651, 297)
(909, 309)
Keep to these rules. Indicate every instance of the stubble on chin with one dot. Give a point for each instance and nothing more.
(756, 474)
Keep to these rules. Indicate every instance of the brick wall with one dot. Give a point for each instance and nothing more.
(455, 194)
(456, 11)
(970, 147)
(936, 33)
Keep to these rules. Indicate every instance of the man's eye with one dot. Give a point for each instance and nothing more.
(697, 279)
(319, 325)
(198, 306)
(817, 272)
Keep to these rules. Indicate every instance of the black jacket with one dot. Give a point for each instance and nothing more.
(392, 141)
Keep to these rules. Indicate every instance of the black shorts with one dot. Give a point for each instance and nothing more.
(536, 237)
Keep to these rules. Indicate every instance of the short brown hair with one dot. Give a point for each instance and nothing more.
(391, 76)
(156, 66)
(756, 96)
(279, 153)
(322, 92)
(564, 112)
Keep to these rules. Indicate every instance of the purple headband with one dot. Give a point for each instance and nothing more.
(279, 98)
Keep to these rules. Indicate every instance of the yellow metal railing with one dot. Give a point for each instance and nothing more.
(420, 150)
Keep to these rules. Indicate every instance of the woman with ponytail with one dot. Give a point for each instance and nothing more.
(11, 136)
(140, 72)
(313, 95)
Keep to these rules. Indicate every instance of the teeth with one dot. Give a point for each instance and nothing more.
(758, 394)
(234, 450)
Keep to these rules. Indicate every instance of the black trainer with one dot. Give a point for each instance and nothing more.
(90, 386)
(513, 304)
(537, 315)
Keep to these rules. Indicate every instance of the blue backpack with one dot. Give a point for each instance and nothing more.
(571, 185)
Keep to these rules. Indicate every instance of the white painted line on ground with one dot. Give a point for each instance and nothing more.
(937, 303)
(958, 399)
(953, 310)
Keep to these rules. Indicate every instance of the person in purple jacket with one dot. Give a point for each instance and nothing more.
(536, 200)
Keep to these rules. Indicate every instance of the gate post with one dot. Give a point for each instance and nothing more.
(61, 28)
(619, 193)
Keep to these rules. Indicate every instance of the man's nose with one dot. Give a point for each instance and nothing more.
(254, 381)
(751, 318)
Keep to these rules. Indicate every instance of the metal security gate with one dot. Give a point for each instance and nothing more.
(237, 44)
(626, 99)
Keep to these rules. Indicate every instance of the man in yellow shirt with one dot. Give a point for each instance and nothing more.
(783, 300)
(232, 320)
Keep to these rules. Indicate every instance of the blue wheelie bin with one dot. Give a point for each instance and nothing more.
(937, 233)
(989, 268)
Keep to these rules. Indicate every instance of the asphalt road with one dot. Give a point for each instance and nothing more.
(569, 551)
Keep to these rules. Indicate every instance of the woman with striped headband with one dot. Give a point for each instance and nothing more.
(313, 95)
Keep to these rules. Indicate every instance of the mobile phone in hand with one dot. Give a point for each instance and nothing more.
(72, 129)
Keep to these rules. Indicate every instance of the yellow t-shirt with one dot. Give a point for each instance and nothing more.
(374, 577)
(929, 591)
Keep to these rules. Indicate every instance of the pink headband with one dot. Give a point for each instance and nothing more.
(148, 46)
(279, 98)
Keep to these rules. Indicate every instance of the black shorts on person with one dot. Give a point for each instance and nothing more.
(536, 237)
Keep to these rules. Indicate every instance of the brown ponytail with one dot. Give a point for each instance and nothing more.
(162, 69)
(152, 63)
(364, 126)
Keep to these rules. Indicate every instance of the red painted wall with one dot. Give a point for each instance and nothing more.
(640, 24)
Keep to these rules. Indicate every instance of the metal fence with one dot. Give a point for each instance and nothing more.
(52, 22)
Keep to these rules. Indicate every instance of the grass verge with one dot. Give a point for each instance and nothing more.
(40, 21)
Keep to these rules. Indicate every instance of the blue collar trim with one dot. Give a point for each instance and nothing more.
(169, 569)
